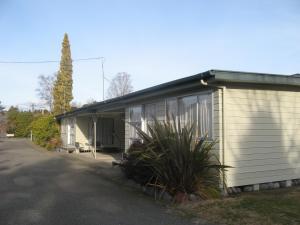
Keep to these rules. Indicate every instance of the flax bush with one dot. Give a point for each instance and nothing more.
(170, 158)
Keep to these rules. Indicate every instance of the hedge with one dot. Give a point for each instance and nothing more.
(45, 132)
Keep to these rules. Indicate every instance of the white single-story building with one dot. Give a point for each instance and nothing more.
(254, 116)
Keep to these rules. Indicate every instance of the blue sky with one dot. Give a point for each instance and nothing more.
(154, 41)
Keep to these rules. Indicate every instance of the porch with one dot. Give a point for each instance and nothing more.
(94, 132)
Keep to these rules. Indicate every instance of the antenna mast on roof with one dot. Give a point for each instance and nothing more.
(103, 77)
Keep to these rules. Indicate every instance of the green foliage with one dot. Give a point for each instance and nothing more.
(62, 90)
(135, 168)
(45, 132)
(18, 122)
(171, 159)
(44, 127)
(11, 119)
(23, 121)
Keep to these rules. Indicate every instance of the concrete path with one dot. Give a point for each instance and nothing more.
(39, 187)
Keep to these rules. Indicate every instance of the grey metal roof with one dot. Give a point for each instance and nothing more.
(296, 75)
(212, 76)
(254, 78)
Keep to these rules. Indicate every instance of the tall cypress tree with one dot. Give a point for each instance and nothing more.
(63, 86)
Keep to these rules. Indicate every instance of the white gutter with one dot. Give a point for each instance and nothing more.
(223, 88)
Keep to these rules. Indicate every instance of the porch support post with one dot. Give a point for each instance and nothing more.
(95, 135)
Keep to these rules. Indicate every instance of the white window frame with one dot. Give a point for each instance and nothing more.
(206, 92)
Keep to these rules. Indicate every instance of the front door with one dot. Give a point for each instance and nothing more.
(107, 131)
(68, 134)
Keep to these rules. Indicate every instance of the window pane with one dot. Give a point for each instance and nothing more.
(205, 115)
(172, 109)
(135, 114)
(160, 111)
(188, 111)
(135, 117)
(154, 111)
(150, 112)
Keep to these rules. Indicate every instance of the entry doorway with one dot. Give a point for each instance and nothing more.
(69, 134)
(106, 131)
(110, 133)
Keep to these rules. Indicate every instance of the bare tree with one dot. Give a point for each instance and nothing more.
(75, 105)
(120, 85)
(45, 90)
(90, 101)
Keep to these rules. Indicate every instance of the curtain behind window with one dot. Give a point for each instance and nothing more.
(172, 109)
(188, 111)
(205, 115)
(154, 110)
(135, 119)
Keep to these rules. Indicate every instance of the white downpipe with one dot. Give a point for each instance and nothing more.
(224, 134)
(95, 139)
(223, 88)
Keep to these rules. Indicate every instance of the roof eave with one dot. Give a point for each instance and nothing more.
(254, 78)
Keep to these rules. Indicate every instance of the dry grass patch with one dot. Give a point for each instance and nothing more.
(279, 207)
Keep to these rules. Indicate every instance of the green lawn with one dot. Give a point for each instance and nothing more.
(281, 207)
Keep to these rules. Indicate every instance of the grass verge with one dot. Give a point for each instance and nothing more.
(280, 207)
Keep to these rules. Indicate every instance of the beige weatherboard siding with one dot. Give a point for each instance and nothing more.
(82, 126)
(263, 134)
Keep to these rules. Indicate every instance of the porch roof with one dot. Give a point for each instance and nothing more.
(211, 76)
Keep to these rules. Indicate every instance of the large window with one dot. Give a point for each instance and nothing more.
(135, 119)
(193, 110)
(154, 110)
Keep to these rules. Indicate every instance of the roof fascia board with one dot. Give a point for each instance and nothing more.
(243, 77)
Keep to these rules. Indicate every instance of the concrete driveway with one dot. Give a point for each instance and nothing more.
(39, 187)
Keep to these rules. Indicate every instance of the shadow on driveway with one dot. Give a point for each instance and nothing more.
(45, 188)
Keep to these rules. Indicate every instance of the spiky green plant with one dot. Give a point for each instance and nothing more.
(172, 159)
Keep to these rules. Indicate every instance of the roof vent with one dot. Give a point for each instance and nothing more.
(296, 75)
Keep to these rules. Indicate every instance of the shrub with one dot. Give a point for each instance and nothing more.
(173, 160)
(18, 122)
(11, 119)
(45, 132)
(23, 121)
(133, 167)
